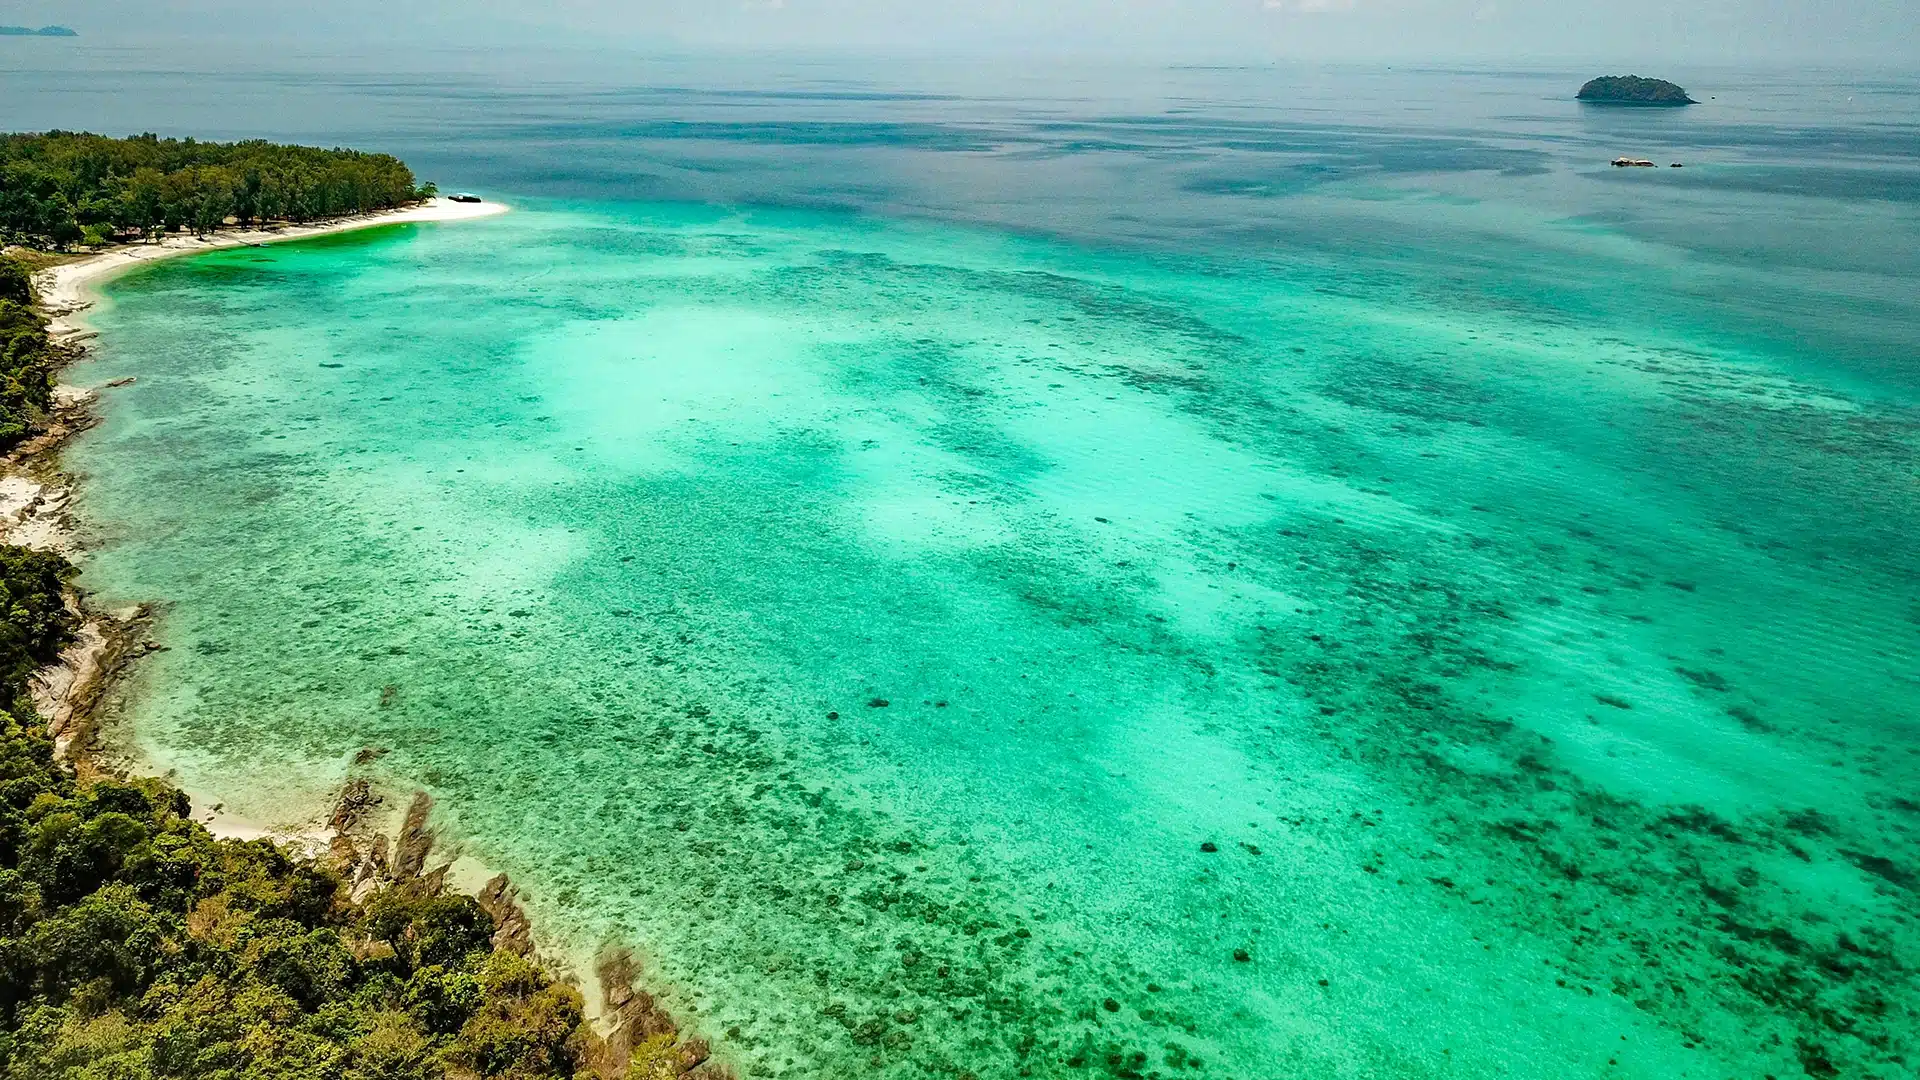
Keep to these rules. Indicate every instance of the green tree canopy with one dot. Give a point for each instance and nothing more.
(58, 187)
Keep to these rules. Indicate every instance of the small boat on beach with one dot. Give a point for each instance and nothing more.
(465, 197)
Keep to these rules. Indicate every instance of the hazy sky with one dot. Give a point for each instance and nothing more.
(1701, 31)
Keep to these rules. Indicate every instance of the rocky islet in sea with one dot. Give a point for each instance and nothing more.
(1633, 90)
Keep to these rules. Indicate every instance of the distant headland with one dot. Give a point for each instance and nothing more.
(1633, 90)
(45, 31)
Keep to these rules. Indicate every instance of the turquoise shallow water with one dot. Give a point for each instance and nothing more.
(1546, 694)
(1503, 562)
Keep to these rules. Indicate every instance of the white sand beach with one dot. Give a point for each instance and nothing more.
(66, 290)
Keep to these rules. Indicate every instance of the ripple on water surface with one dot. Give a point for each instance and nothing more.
(944, 654)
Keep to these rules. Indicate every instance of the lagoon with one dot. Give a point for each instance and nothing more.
(1167, 589)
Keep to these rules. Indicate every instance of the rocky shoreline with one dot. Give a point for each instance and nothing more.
(637, 1039)
(634, 1039)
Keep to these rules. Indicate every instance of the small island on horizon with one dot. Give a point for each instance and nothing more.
(45, 31)
(1633, 90)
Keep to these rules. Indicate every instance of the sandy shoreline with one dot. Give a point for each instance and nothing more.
(34, 501)
(34, 512)
(67, 289)
(35, 496)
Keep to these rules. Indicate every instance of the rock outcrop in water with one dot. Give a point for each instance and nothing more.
(1633, 90)
(641, 1041)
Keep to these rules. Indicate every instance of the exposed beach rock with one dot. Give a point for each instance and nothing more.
(72, 413)
(69, 693)
(416, 843)
(637, 1039)
(355, 800)
(34, 513)
(640, 1041)
(693, 1053)
(512, 932)
(435, 880)
(344, 850)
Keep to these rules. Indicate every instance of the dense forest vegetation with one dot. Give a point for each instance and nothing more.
(27, 359)
(133, 944)
(61, 188)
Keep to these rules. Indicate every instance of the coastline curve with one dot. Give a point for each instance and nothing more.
(69, 288)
